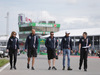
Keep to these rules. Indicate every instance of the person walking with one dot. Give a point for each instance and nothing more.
(66, 48)
(13, 48)
(84, 44)
(31, 46)
(51, 44)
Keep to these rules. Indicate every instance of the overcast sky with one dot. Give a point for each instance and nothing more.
(71, 14)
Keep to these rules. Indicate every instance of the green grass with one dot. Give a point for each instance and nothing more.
(3, 62)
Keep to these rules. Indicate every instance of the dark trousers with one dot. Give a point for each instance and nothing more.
(13, 55)
(83, 56)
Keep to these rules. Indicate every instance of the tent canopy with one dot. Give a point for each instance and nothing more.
(77, 32)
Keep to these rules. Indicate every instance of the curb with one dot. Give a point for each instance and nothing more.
(2, 68)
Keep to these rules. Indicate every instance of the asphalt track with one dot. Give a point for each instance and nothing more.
(41, 67)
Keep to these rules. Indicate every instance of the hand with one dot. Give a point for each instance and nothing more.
(25, 50)
(79, 51)
(7, 50)
(61, 52)
(18, 50)
(71, 51)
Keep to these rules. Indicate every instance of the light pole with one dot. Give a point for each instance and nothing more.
(7, 26)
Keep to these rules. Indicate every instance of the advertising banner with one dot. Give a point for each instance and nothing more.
(40, 24)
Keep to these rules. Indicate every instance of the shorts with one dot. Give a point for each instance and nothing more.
(51, 54)
(32, 53)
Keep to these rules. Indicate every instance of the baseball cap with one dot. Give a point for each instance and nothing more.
(67, 32)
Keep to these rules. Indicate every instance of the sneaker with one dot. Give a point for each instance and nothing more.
(79, 68)
(69, 68)
(85, 69)
(54, 68)
(63, 68)
(49, 68)
(33, 68)
(15, 67)
(28, 66)
(10, 68)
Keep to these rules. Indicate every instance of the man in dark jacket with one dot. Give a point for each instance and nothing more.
(31, 46)
(51, 44)
(66, 47)
(84, 44)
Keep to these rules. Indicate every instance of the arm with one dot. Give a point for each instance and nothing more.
(17, 44)
(89, 43)
(71, 44)
(56, 44)
(62, 44)
(36, 42)
(46, 43)
(79, 45)
(26, 43)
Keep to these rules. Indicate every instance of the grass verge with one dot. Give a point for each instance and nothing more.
(3, 62)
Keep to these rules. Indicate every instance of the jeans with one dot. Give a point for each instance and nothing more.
(66, 51)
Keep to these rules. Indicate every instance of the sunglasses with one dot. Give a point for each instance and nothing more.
(15, 34)
(52, 34)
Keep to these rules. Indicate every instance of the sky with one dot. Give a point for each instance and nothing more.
(71, 14)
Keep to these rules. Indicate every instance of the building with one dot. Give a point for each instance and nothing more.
(75, 34)
(42, 28)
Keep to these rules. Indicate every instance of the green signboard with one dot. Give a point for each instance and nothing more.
(37, 32)
(41, 47)
(40, 25)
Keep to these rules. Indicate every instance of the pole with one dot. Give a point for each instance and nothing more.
(93, 42)
(7, 24)
(74, 42)
(7, 27)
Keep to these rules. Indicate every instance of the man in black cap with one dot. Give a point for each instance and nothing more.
(51, 44)
(31, 46)
(84, 44)
(66, 48)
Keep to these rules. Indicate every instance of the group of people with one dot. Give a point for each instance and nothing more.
(51, 43)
